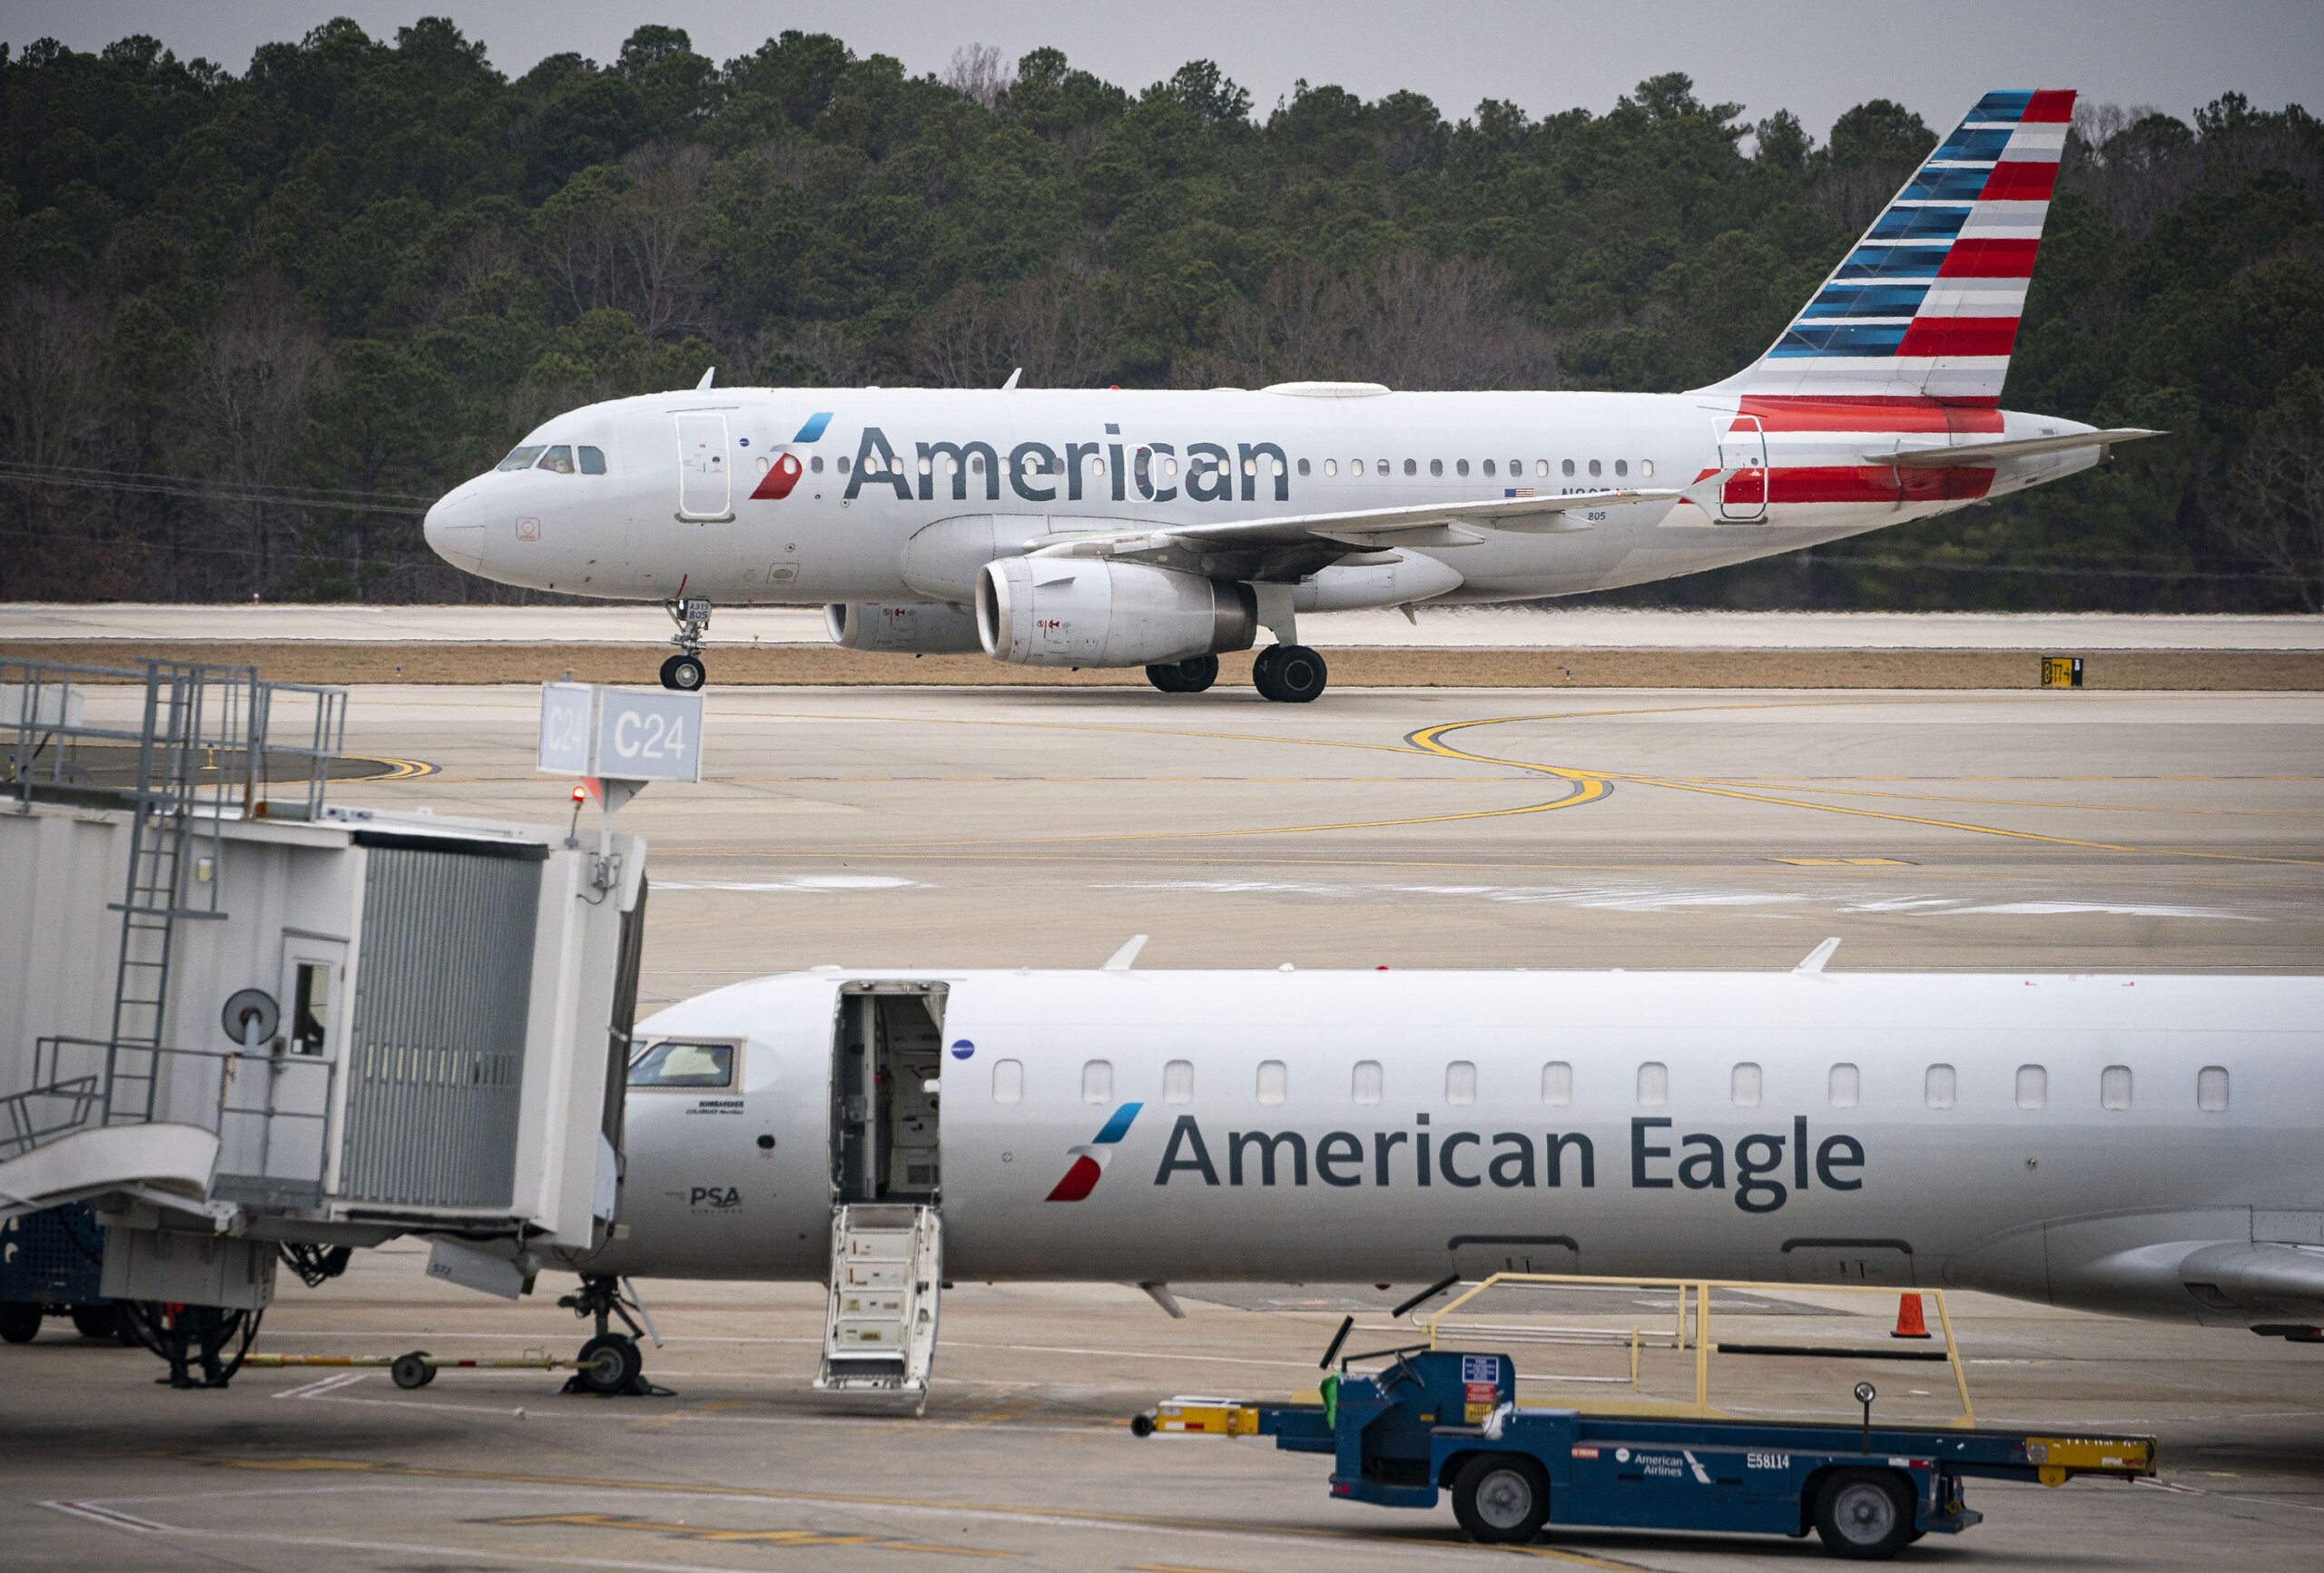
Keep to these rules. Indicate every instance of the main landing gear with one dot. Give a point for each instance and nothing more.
(1192, 675)
(684, 671)
(610, 1365)
(1288, 673)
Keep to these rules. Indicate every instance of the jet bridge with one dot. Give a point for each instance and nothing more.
(238, 1016)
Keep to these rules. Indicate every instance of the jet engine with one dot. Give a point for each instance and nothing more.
(1095, 612)
(909, 629)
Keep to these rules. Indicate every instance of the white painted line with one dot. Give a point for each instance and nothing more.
(109, 1517)
(337, 1379)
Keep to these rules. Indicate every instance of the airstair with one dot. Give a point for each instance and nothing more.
(880, 1328)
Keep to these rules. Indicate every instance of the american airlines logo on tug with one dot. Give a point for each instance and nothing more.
(1160, 529)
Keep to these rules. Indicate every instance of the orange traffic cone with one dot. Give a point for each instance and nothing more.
(1908, 1318)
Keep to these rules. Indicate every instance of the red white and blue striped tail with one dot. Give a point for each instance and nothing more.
(1927, 305)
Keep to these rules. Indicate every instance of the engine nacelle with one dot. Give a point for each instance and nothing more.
(1095, 612)
(911, 629)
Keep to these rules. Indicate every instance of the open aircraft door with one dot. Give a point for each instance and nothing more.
(1743, 452)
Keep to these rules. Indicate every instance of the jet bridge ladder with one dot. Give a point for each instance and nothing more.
(880, 1326)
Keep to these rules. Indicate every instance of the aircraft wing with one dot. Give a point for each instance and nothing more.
(1994, 452)
(1362, 530)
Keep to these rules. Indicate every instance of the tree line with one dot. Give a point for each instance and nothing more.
(251, 324)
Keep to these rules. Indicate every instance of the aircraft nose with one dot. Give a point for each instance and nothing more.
(454, 530)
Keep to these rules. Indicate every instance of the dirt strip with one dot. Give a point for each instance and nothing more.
(315, 660)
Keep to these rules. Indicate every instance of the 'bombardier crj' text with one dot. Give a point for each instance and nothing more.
(1158, 529)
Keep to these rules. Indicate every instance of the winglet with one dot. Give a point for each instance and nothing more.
(1120, 959)
(707, 376)
(1814, 961)
(1010, 385)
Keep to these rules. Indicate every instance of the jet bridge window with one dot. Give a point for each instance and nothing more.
(2211, 1089)
(311, 1009)
(557, 460)
(521, 458)
(2115, 1087)
(673, 1064)
(593, 461)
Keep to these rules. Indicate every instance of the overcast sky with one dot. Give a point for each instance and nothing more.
(1814, 58)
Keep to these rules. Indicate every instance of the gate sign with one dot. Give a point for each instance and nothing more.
(620, 734)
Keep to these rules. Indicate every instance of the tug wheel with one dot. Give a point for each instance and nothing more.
(1864, 1514)
(1501, 1499)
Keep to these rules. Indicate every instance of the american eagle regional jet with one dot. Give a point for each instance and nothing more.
(1068, 527)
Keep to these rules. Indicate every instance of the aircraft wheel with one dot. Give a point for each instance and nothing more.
(1864, 1514)
(1192, 675)
(1501, 1499)
(97, 1321)
(683, 673)
(1295, 676)
(609, 1363)
(411, 1370)
(19, 1322)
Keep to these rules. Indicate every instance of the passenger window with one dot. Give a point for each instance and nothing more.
(1567, 467)
(1365, 1086)
(593, 461)
(840, 464)
(1303, 466)
(1008, 1081)
(1380, 466)
(558, 460)
(2033, 1087)
(1557, 1084)
(1621, 467)
(1848, 1086)
(1436, 466)
(1941, 1087)
(1744, 1087)
(1178, 1082)
(2211, 1089)
(1488, 466)
(2115, 1087)
(1461, 1082)
(1331, 466)
(816, 464)
(1170, 467)
(1646, 468)
(1412, 466)
(1461, 466)
(1594, 469)
(1098, 1082)
(521, 457)
(1355, 466)
(673, 1064)
(1654, 1084)
(1271, 1081)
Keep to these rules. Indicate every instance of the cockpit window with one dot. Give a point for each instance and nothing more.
(558, 459)
(674, 1064)
(593, 461)
(520, 458)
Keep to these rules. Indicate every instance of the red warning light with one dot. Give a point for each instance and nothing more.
(580, 794)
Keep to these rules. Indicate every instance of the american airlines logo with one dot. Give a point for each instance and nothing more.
(1090, 1161)
(783, 474)
(1761, 1171)
(1036, 469)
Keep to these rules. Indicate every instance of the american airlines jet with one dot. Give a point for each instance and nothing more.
(1158, 529)
(2142, 1146)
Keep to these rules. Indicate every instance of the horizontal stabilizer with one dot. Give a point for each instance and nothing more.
(1994, 452)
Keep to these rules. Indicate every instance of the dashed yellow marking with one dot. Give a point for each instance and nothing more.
(742, 1537)
(1844, 862)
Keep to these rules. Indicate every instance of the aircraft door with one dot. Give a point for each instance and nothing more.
(1743, 450)
(887, 1055)
(705, 481)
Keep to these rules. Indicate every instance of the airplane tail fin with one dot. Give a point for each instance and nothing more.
(1927, 304)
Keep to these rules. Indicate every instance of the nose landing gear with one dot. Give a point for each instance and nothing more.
(684, 671)
(610, 1365)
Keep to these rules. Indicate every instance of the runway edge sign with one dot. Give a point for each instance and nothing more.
(620, 734)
